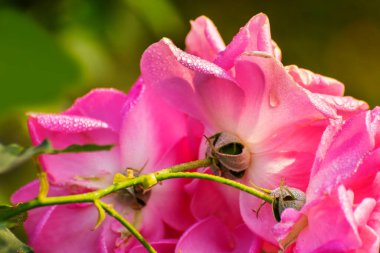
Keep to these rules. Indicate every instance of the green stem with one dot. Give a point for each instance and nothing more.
(186, 166)
(112, 212)
(222, 180)
(91, 196)
(165, 174)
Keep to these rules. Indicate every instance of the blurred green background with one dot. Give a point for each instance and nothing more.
(54, 51)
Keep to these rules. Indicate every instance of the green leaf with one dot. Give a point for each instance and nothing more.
(80, 148)
(9, 155)
(13, 155)
(10, 243)
(14, 221)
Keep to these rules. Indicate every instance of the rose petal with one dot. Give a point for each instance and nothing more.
(162, 246)
(211, 235)
(93, 119)
(282, 102)
(216, 200)
(338, 231)
(254, 36)
(340, 162)
(51, 228)
(204, 40)
(197, 87)
(314, 82)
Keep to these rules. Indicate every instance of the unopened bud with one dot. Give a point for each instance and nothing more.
(286, 197)
(230, 157)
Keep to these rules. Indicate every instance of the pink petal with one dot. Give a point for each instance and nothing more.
(292, 223)
(147, 134)
(254, 36)
(216, 94)
(327, 138)
(286, 162)
(26, 193)
(151, 226)
(103, 104)
(365, 182)
(149, 142)
(68, 224)
(95, 119)
(66, 124)
(146, 220)
(204, 40)
(89, 171)
(287, 156)
(374, 220)
(281, 103)
(216, 200)
(162, 246)
(340, 162)
(175, 211)
(329, 89)
(211, 235)
(371, 240)
(346, 106)
(276, 51)
(337, 231)
(314, 82)
(363, 211)
(260, 223)
(193, 85)
(247, 240)
(284, 137)
(51, 228)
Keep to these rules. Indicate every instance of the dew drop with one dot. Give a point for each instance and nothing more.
(273, 100)
(196, 63)
(68, 123)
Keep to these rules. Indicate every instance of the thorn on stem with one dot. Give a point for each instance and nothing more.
(44, 186)
(101, 213)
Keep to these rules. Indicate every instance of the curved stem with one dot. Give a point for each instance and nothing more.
(112, 212)
(186, 166)
(160, 176)
(91, 196)
(222, 180)
(165, 174)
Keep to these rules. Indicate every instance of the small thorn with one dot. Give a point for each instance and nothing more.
(101, 212)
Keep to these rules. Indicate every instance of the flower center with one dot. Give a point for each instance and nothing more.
(286, 197)
(230, 158)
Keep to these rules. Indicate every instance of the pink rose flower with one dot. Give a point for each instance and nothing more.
(342, 207)
(278, 113)
(144, 140)
(204, 41)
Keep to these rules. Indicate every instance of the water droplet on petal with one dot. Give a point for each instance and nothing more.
(196, 63)
(68, 123)
(273, 100)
